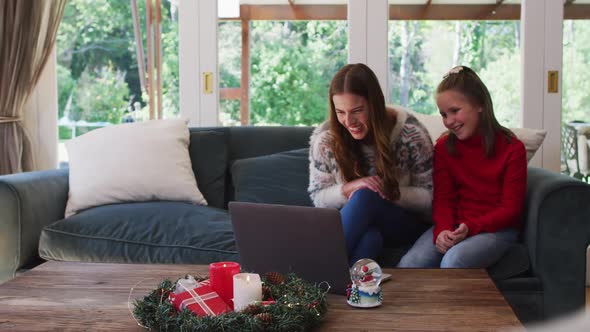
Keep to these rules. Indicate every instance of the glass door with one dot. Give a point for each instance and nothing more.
(276, 60)
(424, 45)
(575, 140)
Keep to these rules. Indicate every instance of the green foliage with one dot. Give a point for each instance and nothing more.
(300, 306)
(93, 33)
(65, 133)
(230, 54)
(96, 41)
(576, 76)
(65, 88)
(101, 96)
(170, 70)
(292, 63)
(504, 87)
(229, 112)
(433, 47)
(406, 40)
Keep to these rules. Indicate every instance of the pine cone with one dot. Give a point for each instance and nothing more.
(266, 293)
(251, 309)
(275, 278)
(265, 317)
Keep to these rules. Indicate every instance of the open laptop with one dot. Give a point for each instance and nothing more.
(305, 240)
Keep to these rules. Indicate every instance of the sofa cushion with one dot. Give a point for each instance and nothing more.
(247, 143)
(131, 162)
(280, 178)
(531, 138)
(154, 232)
(515, 262)
(208, 152)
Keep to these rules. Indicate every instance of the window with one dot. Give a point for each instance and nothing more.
(285, 65)
(576, 71)
(98, 72)
(421, 52)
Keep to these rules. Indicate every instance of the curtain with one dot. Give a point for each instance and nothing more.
(28, 29)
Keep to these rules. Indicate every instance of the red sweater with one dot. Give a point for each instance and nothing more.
(485, 194)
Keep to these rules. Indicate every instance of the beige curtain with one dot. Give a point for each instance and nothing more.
(27, 35)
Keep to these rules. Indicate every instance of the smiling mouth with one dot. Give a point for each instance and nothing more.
(355, 130)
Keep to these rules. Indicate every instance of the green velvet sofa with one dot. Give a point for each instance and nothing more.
(541, 277)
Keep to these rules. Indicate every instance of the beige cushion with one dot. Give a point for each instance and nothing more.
(531, 138)
(133, 162)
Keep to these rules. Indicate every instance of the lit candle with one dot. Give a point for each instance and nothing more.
(221, 277)
(247, 289)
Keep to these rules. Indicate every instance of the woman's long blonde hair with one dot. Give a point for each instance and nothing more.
(358, 79)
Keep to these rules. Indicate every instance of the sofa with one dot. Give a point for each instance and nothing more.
(541, 277)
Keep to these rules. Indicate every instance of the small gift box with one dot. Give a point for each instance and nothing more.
(201, 299)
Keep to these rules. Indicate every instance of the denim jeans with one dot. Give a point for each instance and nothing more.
(369, 222)
(478, 251)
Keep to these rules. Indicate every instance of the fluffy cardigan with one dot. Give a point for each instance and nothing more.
(413, 150)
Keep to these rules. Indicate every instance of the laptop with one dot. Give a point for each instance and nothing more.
(307, 241)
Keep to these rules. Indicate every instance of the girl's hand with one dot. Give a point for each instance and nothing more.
(459, 234)
(443, 242)
(373, 183)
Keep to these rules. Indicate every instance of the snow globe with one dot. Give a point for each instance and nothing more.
(365, 291)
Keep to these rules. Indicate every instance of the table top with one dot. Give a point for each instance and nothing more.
(583, 128)
(95, 296)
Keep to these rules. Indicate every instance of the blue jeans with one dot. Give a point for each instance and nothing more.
(478, 251)
(369, 222)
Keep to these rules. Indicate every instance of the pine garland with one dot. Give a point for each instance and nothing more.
(300, 306)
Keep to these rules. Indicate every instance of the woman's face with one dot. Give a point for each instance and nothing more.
(458, 114)
(352, 113)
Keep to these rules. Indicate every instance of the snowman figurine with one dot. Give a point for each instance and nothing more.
(365, 291)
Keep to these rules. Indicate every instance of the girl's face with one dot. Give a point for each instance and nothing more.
(458, 114)
(352, 113)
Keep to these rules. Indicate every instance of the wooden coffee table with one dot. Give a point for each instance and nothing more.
(90, 296)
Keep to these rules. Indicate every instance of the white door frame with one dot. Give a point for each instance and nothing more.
(542, 51)
(367, 37)
(197, 50)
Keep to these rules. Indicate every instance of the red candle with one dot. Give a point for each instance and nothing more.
(221, 276)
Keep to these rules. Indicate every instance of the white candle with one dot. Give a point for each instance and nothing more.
(247, 289)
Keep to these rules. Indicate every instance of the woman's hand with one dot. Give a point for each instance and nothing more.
(373, 183)
(443, 241)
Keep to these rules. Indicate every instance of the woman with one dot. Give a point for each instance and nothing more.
(373, 162)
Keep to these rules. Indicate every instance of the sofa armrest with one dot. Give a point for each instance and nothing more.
(557, 232)
(28, 202)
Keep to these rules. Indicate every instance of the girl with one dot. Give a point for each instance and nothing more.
(373, 162)
(480, 172)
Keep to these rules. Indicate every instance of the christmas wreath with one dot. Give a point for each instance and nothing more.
(296, 306)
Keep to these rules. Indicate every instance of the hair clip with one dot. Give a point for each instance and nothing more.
(454, 70)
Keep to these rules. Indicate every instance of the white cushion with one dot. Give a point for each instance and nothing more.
(132, 162)
(531, 138)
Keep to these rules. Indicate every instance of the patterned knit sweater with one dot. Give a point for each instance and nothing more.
(413, 150)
